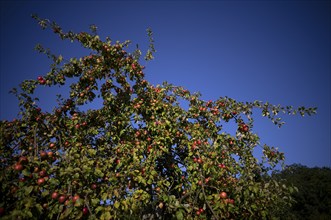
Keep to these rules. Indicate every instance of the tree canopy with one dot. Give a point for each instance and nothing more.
(142, 154)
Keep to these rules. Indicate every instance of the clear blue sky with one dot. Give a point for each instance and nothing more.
(276, 51)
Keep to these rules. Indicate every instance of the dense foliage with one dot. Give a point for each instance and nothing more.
(141, 155)
(313, 197)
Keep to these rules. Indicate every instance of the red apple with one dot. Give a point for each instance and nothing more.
(43, 154)
(62, 198)
(221, 165)
(223, 195)
(85, 211)
(40, 181)
(18, 167)
(75, 198)
(229, 201)
(55, 195)
(50, 154)
(94, 186)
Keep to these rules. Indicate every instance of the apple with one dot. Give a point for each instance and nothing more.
(223, 195)
(40, 181)
(75, 198)
(43, 154)
(42, 82)
(199, 161)
(62, 199)
(50, 154)
(221, 165)
(94, 186)
(229, 201)
(243, 128)
(18, 167)
(85, 211)
(51, 145)
(55, 195)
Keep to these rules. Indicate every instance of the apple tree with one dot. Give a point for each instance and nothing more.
(141, 154)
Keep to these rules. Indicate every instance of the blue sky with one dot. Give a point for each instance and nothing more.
(276, 51)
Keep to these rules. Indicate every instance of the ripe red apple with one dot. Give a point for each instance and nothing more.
(221, 165)
(229, 201)
(75, 198)
(199, 161)
(40, 181)
(223, 195)
(50, 154)
(51, 145)
(62, 198)
(85, 211)
(43, 154)
(55, 195)
(243, 128)
(42, 81)
(94, 186)
(18, 167)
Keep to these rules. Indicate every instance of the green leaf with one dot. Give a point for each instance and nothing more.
(28, 190)
(116, 204)
(179, 214)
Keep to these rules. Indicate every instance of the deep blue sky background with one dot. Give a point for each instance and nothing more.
(276, 51)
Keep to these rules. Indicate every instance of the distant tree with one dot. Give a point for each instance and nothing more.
(313, 197)
(141, 155)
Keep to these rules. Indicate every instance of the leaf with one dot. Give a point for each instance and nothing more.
(106, 215)
(28, 190)
(116, 204)
(179, 214)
